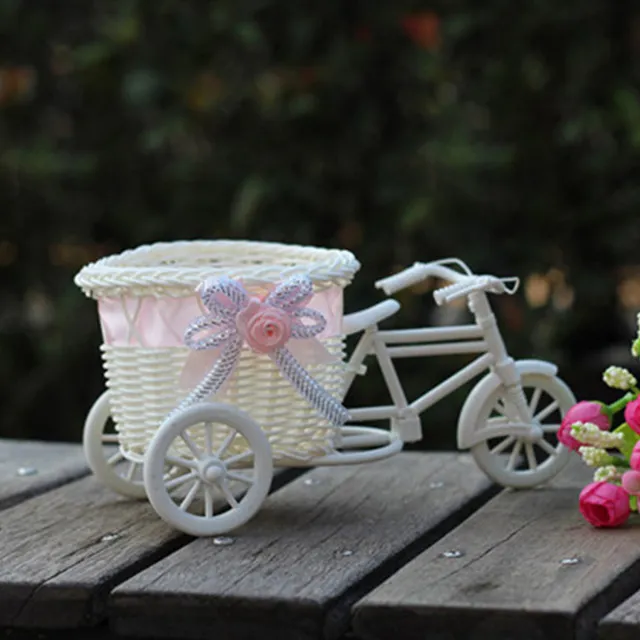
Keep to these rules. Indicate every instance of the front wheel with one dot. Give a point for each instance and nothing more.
(519, 462)
(221, 469)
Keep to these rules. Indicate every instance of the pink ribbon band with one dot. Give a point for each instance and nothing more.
(268, 325)
(154, 322)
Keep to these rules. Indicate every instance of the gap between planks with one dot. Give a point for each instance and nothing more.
(47, 465)
(623, 623)
(509, 580)
(317, 545)
(63, 551)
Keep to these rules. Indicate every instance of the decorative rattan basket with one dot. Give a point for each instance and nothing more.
(146, 297)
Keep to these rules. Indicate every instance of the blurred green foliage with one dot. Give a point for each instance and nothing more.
(505, 133)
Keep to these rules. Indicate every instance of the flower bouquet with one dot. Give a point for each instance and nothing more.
(614, 452)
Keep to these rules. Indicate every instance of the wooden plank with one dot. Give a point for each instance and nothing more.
(28, 469)
(524, 566)
(62, 551)
(294, 570)
(623, 623)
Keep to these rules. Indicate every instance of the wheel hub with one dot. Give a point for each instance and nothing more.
(535, 433)
(212, 469)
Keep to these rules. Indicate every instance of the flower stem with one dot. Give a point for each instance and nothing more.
(618, 405)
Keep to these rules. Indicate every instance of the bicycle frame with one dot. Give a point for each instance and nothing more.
(483, 337)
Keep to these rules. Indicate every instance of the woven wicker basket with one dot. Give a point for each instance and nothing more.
(137, 289)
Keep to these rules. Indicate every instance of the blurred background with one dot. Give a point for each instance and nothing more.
(507, 134)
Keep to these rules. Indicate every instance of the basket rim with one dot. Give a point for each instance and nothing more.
(123, 272)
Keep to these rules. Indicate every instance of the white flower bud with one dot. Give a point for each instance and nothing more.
(606, 474)
(594, 456)
(591, 434)
(619, 378)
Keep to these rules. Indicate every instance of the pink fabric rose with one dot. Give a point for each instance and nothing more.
(585, 411)
(634, 460)
(632, 415)
(631, 482)
(263, 327)
(603, 504)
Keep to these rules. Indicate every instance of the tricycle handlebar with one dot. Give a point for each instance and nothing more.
(420, 271)
(404, 279)
(463, 283)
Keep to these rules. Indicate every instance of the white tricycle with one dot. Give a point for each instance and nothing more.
(205, 460)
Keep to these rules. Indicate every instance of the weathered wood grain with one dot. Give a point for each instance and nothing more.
(54, 464)
(529, 568)
(623, 623)
(295, 570)
(63, 551)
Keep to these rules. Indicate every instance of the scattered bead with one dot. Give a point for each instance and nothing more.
(569, 561)
(453, 553)
(347, 552)
(27, 471)
(436, 485)
(223, 541)
(109, 537)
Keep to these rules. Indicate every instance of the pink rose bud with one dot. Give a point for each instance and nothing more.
(634, 460)
(265, 328)
(632, 415)
(603, 504)
(585, 411)
(631, 482)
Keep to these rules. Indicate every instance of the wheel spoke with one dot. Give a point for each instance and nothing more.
(228, 496)
(226, 443)
(546, 446)
(110, 438)
(239, 477)
(180, 480)
(550, 428)
(548, 410)
(188, 499)
(208, 428)
(535, 398)
(186, 438)
(507, 442)
(177, 461)
(208, 502)
(531, 456)
(131, 471)
(500, 408)
(513, 458)
(239, 457)
(115, 458)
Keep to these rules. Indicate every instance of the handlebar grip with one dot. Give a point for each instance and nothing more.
(402, 280)
(449, 293)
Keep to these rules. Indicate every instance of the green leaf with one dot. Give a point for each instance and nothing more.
(42, 162)
(140, 87)
(633, 503)
(630, 439)
(91, 54)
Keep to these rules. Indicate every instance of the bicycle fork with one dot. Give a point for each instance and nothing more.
(517, 408)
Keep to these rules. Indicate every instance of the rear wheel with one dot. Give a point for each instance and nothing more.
(102, 451)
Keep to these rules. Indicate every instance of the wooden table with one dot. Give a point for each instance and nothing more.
(420, 546)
